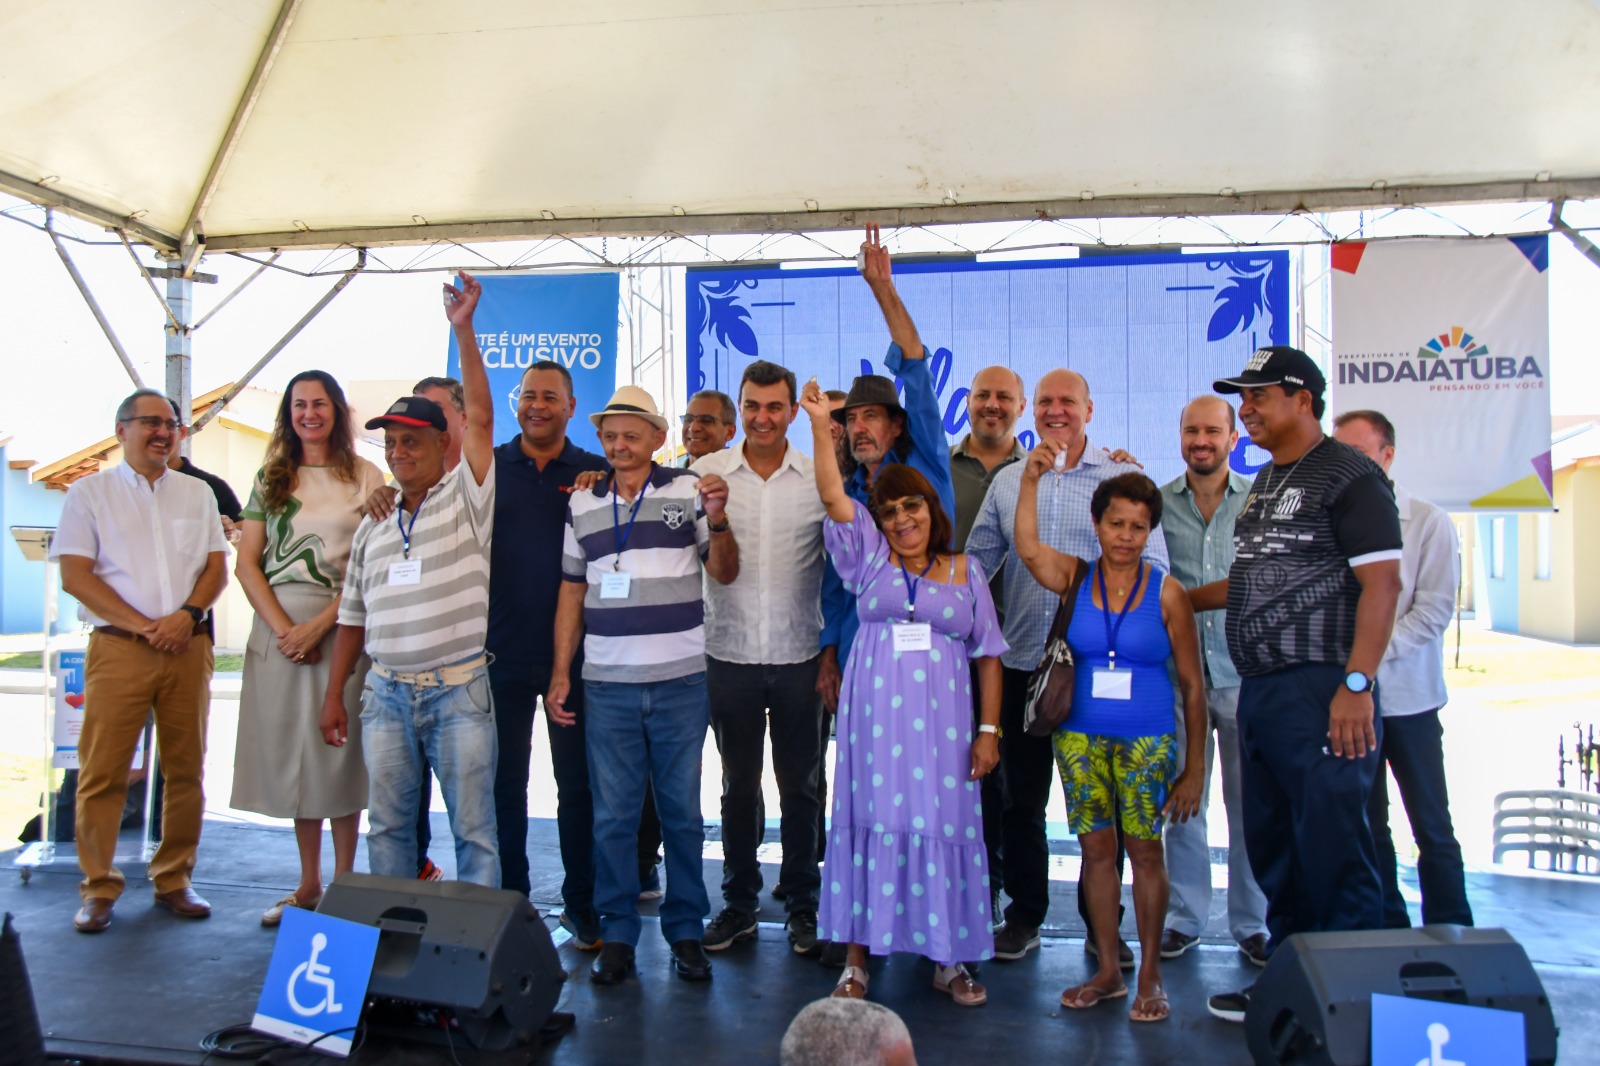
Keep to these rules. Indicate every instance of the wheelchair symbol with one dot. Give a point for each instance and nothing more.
(1438, 1037)
(314, 973)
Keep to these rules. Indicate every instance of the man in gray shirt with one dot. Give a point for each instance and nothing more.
(1200, 508)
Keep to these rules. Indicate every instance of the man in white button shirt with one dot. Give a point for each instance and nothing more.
(761, 659)
(1411, 686)
(141, 549)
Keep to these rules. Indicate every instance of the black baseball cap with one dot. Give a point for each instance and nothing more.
(1277, 365)
(411, 411)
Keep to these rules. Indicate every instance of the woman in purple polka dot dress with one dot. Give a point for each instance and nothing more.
(906, 866)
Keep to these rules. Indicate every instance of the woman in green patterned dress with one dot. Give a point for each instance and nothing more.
(303, 512)
(1117, 750)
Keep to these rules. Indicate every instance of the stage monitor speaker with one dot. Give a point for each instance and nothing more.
(1313, 1003)
(21, 1042)
(481, 954)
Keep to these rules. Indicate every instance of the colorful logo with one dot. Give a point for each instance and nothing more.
(1454, 338)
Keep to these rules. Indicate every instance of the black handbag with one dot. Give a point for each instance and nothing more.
(1050, 687)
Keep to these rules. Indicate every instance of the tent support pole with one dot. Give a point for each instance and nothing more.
(1579, 240)
(180, 345)
(94, 305)
(283, 342)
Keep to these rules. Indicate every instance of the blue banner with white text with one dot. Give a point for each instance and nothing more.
(1148, 332)
(523, 319)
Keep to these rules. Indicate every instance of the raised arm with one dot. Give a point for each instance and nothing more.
(478, 447)
(876, 270)
(830, 482)
(1049, 567)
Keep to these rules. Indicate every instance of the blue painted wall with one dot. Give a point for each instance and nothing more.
(1500, 593)
(22, 581)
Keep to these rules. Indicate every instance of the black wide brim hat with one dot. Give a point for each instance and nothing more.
(868, 390)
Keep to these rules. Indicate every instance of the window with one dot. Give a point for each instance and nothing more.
(1541, 547)
(1497, 547)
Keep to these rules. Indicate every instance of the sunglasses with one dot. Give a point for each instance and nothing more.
(911, 505)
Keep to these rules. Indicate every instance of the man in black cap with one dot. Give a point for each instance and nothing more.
(416, 599)
(879, 431)
(1310, 599)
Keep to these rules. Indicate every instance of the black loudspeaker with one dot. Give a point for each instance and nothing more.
(1313, 1002)
(480, 956)
(20, 1040)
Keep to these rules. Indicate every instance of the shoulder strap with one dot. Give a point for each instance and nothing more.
(1069, 600)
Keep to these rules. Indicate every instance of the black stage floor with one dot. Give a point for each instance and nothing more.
(149, 988)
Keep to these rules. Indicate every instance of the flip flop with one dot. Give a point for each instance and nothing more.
(852, 976)
(1156, 1006)
(1084, 996)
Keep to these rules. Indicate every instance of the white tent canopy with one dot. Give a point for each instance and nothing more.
(256, 124)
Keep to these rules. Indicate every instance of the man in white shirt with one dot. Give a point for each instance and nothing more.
(1412, 688)
(761, 659)
(141, 549)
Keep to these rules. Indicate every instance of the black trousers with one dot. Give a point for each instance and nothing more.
(516, 689)
(746, 701)
(1305, 809)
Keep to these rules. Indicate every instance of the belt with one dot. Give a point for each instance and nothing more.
(443, 677)
(118, 631)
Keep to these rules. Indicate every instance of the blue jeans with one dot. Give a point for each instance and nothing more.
(405, 729)
(1413, 746)
(637, 732)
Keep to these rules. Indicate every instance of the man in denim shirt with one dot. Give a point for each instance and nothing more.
(1201, 506)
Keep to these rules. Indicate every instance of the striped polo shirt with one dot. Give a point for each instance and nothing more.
(443, 618)
(657, 633)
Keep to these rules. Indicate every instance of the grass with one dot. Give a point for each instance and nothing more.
(229, 663)
(30, 660)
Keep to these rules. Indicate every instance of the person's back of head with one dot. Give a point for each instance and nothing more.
(846, 1032)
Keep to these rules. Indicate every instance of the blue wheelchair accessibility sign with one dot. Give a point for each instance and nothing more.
(1426, 1032)
(317, 980)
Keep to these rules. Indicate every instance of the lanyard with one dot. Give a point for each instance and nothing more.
(1105, 613)
(405, 530)
(618, 534)
(911, 582)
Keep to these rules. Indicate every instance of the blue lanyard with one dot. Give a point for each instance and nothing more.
(405, 530)
(1105, 608)
(911, 583)
(618, 534)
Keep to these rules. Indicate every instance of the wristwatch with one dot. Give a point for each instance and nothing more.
(723, 528)
(1358, 682)
(996, 730)
(197, 613)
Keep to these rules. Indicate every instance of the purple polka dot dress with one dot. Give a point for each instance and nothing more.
(906, 867)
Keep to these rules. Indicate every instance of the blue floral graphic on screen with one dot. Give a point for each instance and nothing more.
(1252, 286)
(717, 308)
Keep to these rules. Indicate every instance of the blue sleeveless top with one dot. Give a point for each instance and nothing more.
(1142, 647)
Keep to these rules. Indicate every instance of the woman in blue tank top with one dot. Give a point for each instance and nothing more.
(1117, 751)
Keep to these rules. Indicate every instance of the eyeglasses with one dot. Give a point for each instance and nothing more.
(911, 505)
(152, 423)
(704, 420)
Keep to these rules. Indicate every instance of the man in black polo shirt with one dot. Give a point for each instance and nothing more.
(1311, 599)
(535, 471)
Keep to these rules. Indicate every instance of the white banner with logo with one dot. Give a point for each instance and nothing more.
(1450, 339)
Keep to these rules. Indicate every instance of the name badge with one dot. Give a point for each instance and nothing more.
(406, 573)
(614, 585)
(913, 636)
(1112, 684)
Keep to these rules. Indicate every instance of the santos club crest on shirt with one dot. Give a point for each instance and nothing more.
(674, 514)
(1288, 502)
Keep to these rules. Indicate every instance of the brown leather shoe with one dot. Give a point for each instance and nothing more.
(94, 915)
(184, 902)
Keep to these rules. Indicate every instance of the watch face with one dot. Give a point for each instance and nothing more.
(1357, 682)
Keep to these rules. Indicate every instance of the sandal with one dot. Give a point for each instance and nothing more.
(273, 915)
(1084, 996)
(852, 984)
(958, 983)
(1152, 1008)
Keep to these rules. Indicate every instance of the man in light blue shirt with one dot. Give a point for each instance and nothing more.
(1198, 516)
(1062, 410)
